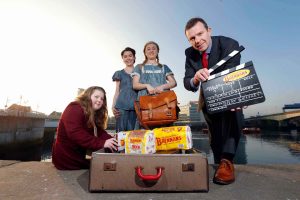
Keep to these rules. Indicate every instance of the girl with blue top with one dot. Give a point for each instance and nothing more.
(151, 77)
(123, 101)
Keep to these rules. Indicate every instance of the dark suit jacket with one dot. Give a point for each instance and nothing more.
(222, 125)
(221, 47)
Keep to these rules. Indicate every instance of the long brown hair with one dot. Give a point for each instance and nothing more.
(96, 118)
(157, 58)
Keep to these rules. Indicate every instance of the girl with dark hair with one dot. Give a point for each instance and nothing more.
(80, 129)
(152, 77)
(122, 107)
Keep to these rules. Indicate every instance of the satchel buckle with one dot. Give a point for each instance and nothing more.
(168, 113)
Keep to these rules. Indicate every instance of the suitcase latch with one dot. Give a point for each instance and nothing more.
(110, 166)
(188, 167)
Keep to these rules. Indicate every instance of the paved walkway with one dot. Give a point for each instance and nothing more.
(40, 180)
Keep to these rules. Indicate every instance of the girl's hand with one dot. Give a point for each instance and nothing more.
(150, 89)
(112, 144)
(116, 112)
(159, 89)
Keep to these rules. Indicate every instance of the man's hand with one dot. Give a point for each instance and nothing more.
(200, 76)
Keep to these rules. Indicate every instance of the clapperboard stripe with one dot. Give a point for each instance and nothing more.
(224, 60)
(241, 66)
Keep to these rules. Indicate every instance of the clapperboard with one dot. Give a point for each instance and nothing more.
(235, 87)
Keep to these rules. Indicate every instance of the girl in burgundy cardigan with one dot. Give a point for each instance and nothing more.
(81, 128)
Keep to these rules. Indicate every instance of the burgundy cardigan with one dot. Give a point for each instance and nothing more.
(74, 138)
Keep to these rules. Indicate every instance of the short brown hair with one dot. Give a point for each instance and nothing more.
(128, 49)
(194, 21)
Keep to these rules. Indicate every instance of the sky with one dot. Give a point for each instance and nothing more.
(50, 48)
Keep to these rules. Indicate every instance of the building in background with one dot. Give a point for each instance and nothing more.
(189, 113)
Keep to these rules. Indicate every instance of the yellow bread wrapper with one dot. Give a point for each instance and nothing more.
(174, 137)
(140, 142)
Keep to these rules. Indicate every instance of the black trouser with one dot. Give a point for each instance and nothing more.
(225, 132)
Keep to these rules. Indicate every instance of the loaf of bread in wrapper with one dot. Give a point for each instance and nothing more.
(140, 142)
(174, 137)
(121, 140)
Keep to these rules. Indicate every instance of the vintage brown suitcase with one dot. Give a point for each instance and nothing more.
(148, 172)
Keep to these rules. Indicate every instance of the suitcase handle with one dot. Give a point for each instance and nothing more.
(138, 171)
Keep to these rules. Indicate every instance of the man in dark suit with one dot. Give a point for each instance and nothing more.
(224, 127)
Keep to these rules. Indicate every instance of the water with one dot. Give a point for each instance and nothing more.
(264, 148)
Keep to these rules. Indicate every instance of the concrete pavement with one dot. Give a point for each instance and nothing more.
(40, 180)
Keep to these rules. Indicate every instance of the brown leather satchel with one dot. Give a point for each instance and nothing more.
(157, 110)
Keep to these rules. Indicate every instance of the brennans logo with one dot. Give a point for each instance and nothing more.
(135, 140)
(236, 75)
(167, 140)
